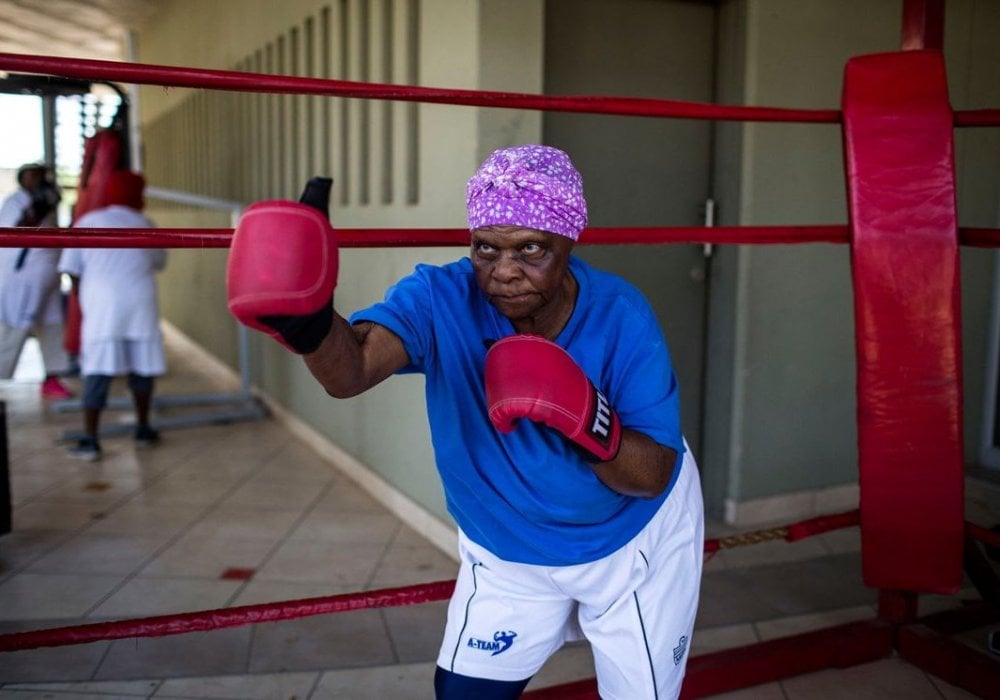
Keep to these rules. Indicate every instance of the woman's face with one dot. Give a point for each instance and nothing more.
(522, 271)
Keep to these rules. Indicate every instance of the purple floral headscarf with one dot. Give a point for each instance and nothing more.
(531, 186)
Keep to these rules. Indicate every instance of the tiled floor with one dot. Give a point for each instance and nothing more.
(243, 513)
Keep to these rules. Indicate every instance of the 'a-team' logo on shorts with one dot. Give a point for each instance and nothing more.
(501, 642)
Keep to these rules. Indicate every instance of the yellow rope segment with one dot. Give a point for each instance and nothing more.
(755, 537)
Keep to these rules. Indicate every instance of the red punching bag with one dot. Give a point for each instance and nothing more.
(898, 137)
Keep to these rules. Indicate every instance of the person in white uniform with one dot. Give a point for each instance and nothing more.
(30, 299)
(120, 333)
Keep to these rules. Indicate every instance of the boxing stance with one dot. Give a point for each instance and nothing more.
(554, 414)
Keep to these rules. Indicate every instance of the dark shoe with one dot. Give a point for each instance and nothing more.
(86, 448)
(146, 436)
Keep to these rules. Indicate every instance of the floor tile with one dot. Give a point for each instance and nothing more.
(261, 686)
(67, 663)
(317, 562)
(346, 497)
(54, 515)
(768, 553)
(39, 596)
(416, 631)
(62, 695)
(764, 691)
(25, 487)
(137, 517)
(410, 681)
(366, 528)
(99, 554)
(145, 596)
(21, 547)
(950, 692)
(847, 540)
(246, 522)
(215, 653)
(258, 592)
(187, 488)
(294, 462)
(797, 624)
(889, 679)
(405, 564)
(101, 689)
(266, 493)
(348, 639)
(711, 639)
(207, 557)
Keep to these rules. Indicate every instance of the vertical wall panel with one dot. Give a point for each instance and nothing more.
(354, 143)
(270, 108)
(344, 150)
(412, 53)
(252, 146)
(258, 162)
(403, 60)
(310, 102)
(324, 125)
(294, 181)
(374, 119)
(282, 156)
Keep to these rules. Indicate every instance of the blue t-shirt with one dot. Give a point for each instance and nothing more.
(528, 496)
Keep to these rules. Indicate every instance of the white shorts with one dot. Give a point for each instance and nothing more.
(636, 606)
(118, 357)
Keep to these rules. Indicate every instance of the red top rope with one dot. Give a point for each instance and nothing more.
(411, 237)
(171, 76)
(443, 237)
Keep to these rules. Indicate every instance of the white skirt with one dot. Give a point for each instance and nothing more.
(117, 357)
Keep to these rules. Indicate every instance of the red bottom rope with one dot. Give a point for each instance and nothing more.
(207, 620)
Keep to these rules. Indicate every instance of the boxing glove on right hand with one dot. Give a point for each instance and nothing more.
(527, 376)
(282, 268)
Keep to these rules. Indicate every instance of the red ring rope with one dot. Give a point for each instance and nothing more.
(411, 237)
(172, 76)
(202, 621)
(981, 534)
(440, 237)
(207, 620)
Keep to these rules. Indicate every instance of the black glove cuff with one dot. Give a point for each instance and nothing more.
(304, 334)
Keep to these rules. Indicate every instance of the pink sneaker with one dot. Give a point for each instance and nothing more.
(52, 388)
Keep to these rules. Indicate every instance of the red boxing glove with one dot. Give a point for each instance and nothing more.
(529, 377)
(282, 269)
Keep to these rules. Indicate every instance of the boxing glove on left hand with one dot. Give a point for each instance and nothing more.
(282, 268)
(530, 377)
